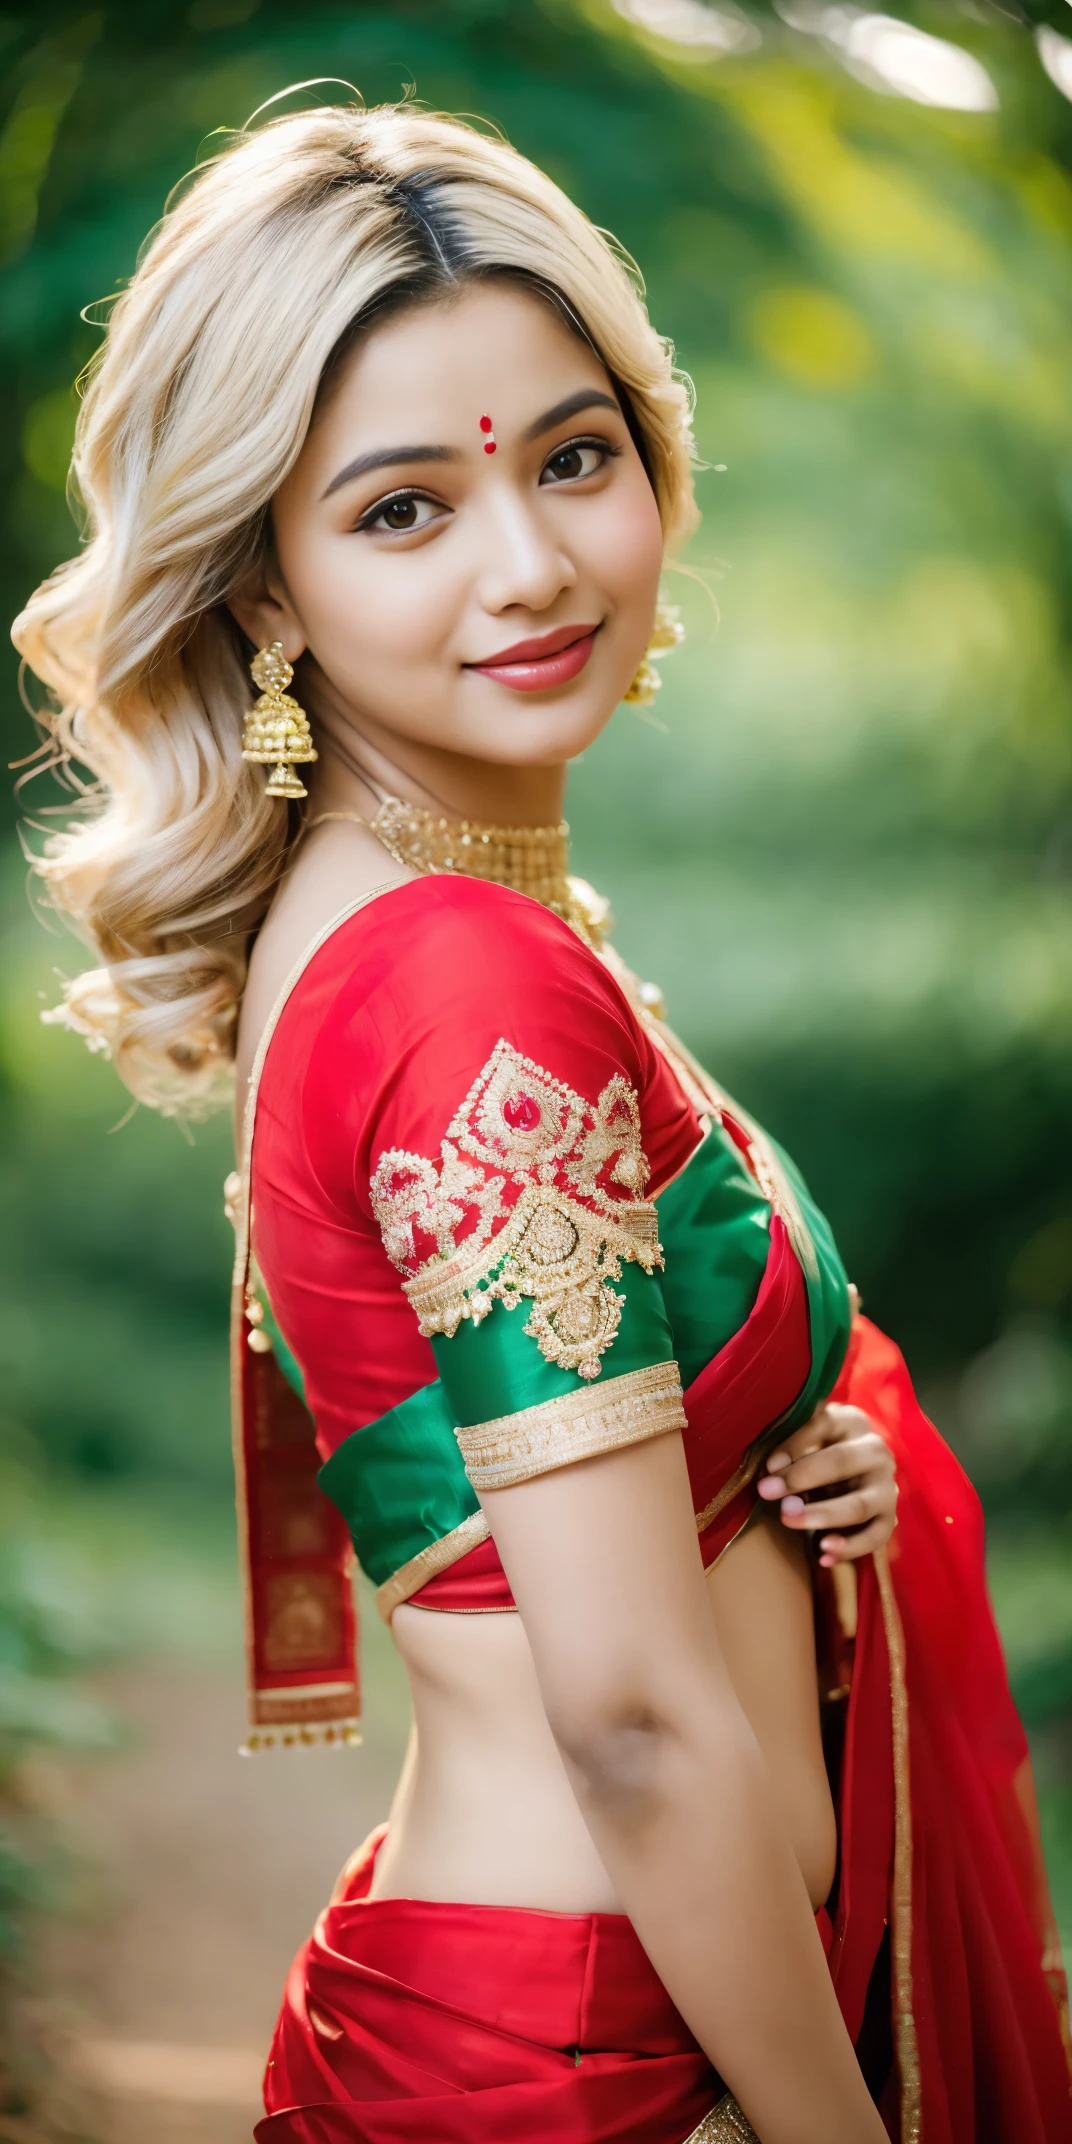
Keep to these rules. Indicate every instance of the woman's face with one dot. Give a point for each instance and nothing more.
(486, 588)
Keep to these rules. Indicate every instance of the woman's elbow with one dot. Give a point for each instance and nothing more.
(632, 1740)
(630, 1745)
(616, 1751)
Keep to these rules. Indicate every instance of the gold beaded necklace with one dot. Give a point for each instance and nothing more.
(531, 859)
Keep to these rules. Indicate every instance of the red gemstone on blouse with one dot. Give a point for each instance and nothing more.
(485, 424)
(521, 1112)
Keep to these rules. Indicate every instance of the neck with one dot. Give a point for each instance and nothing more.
(441, 811)
(358, 767)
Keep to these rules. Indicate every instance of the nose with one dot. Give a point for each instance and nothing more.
(525, 566)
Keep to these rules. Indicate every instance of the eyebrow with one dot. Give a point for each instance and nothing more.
(393, 457)
(388, 458)
(585, 398)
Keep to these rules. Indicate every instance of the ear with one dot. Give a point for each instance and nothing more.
(265, 613)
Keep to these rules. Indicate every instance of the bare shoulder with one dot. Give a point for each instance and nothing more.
(334, 866)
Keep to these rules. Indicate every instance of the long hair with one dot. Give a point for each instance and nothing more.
(259, 276)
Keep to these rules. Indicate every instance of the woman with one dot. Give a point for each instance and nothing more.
(382, 407)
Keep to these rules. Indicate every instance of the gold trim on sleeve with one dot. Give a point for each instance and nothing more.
(428, 1562)
(580, 1425)
(904, 2023)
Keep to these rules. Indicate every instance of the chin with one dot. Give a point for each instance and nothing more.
(540, 735)
(535, 729)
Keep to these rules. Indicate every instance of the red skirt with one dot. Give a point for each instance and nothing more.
(407, 2021)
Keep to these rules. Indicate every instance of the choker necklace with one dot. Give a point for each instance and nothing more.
(531, 859)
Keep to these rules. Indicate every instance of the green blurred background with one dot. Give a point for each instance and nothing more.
(843, 841)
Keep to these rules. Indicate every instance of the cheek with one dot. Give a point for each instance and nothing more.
(352, 598)
(631, 546)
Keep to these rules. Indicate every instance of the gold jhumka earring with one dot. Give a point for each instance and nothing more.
(276, 732)
(667, 632)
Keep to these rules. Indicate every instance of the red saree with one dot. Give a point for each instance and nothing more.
(406, 2020)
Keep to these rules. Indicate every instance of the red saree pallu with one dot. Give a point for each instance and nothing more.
(406, 2022)
(980, 2015)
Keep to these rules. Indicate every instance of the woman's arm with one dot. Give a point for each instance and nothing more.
(603, 1560)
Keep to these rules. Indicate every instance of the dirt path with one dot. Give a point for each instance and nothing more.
(208, 1871)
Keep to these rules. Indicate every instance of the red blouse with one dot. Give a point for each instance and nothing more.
(378, 1044)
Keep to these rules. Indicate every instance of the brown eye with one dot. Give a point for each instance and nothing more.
(401, 514)
(580, 458)
(408, 510)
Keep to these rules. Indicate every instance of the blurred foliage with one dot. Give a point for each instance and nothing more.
(114, 1305)
(843, 842)
(49, 1635)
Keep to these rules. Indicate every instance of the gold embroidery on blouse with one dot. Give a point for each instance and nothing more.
(411, 1193)
(548, 1189)
(559, 1254)
(580, 1425)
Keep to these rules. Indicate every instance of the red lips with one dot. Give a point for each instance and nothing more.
(545, 660)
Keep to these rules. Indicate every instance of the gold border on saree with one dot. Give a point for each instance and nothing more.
(904, 2023)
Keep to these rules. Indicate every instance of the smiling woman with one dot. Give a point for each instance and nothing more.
(561, 529)
(647, 1877)
(360, 231)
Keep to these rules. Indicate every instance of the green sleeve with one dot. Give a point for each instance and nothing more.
(494, 1368)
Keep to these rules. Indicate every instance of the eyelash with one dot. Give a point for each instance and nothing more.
(605, 447)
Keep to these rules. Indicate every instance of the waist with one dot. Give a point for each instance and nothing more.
(484, 1811)
(570, 1979)
(561, 1979)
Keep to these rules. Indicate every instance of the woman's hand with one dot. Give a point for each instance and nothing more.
(841, 1450)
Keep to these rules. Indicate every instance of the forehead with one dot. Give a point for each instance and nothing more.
(427, 375)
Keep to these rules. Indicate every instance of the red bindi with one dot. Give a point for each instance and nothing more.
(486, 426)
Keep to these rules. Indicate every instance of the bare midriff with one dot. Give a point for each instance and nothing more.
(484, 1812)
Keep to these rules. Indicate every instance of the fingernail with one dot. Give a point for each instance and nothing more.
(777, 1459)
(769, 1487)
(828, 1542)
(827, 1562)
(792, 1506)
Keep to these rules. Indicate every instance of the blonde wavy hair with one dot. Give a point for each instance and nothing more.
(258, 278)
